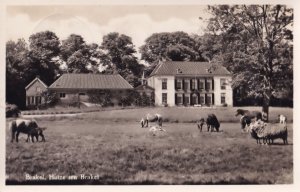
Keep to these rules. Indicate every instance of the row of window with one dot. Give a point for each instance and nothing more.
(63, 95)
(34, 100)
(185, 99)
(202, 84)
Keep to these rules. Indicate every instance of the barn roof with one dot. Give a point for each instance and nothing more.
(33, 81)
(181, 68)
(90, 81)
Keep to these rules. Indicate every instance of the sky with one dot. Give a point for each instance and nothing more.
(94, 21)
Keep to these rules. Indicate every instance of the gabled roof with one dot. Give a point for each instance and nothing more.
(90, 81)
(32, 82)
(181, 68)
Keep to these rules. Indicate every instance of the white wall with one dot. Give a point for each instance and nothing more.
(156, 83)
(227, 91)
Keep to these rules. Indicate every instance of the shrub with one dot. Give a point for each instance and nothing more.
(50, 99)
(12, 110)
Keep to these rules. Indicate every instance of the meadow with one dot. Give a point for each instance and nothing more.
(109, 147)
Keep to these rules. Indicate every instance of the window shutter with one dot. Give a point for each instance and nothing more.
(213, 98)
(212, 84)
(175, 84)
(205, 85)
(175, 98)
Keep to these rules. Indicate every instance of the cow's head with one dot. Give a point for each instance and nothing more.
(245, 121)
(239, 112)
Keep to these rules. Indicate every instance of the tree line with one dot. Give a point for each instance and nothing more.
(254, 42)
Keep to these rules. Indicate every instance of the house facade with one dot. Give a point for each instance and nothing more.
(33, 92)
(74, 88)
(191, 84)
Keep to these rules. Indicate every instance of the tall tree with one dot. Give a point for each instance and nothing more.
(44, 51)
(207, 46)
(174, 46)
(257, 46)
(119, 57)
(16, 59)
(78, 56)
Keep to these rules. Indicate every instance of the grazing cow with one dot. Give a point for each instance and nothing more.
(282, 119)
(152, 118)
(212, 122)
(29, 127)
(200, 124)
(153, 130)
(252, 114)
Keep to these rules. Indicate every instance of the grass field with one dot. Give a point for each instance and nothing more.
(111, 148)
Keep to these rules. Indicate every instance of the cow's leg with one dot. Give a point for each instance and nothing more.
(12, 136)
(17, 136)
(28, 137)
(147, 123)
(32, 138)
(160, 122)
(42, 135)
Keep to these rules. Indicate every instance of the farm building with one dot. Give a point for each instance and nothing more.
(191, 83)
(75, 87)
(33, 92)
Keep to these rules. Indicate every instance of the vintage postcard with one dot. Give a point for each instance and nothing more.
(176, 96)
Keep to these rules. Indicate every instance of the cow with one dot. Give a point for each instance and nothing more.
(245, 123)
(212, 123)
(154, 130)
(251, 114)
(151, 118)
(29, 127)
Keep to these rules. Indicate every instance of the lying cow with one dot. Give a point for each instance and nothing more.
(151, 118)
(29, 127)
(154, 130)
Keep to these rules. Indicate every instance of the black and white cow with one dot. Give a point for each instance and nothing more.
(26, 126)
(152, 118)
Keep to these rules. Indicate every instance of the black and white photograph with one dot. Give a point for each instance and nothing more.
(148, 94)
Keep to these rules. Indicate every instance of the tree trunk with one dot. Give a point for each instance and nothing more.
(265, 108)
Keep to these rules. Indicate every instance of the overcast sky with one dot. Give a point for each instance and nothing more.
(92, 22)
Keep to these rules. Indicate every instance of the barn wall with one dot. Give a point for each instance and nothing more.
(33, 93)
(32, 90)
(72, 96)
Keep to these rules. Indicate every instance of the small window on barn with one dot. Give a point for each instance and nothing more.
(38, 89)
(62, 95)
(81, 93)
